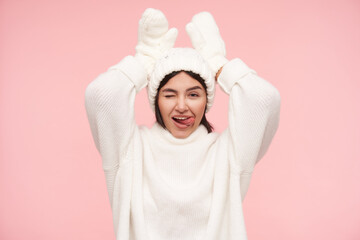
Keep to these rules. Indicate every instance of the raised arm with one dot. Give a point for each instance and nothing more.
(254, 108)
(109, 102)
(110, 98)
(254, 103)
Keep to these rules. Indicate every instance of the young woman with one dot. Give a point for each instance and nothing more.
(179, 179)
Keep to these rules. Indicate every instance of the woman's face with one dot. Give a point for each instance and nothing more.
(182, 102)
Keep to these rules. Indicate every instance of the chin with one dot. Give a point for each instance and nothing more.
(179, 134)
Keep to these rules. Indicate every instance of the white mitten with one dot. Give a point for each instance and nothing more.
(154, 38)
(206, 39)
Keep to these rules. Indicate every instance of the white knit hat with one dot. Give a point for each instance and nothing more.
(178, 59)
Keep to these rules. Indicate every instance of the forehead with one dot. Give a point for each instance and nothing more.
(182, 81)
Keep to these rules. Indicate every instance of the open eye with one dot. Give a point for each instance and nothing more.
(194, 95)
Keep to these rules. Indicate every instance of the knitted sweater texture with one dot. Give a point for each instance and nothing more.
(161, 187)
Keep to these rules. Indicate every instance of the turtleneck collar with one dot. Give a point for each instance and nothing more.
(168, 137)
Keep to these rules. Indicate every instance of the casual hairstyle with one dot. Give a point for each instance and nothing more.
(197, 77)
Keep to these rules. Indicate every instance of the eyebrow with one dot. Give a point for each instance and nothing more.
(187, 90)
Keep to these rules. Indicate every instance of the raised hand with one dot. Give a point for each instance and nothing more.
(206, 39)
(154, 38)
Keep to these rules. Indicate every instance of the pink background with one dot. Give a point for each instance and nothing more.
(51, 182)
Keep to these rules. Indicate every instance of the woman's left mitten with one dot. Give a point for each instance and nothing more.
(206, 39)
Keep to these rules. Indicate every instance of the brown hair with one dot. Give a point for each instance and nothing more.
(197, 77)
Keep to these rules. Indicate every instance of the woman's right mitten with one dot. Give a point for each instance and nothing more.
(154, 38)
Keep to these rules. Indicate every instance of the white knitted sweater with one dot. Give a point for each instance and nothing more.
(161, 187)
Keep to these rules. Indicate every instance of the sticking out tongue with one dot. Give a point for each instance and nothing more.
(187, 121)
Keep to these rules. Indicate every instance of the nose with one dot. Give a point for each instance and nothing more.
(181, 105)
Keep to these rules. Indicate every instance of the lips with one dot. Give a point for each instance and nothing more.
(183, 121)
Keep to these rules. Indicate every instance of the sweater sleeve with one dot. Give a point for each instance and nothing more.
(254, 107)
(109, 102)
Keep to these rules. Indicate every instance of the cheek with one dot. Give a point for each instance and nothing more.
(164, 106)
(161, 106)
(199, 107)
